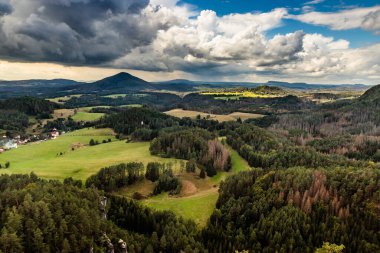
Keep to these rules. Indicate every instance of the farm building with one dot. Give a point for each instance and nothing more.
(8, 144)
(54, 133)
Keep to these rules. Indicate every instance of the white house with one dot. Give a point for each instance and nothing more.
(54, 133)
(8, 144)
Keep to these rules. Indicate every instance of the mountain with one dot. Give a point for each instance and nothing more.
(119, 82)
(124, 82)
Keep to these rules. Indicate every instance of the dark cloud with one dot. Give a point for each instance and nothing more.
(73, 31)
(5, 7)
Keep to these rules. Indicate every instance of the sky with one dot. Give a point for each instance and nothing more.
(314, 41)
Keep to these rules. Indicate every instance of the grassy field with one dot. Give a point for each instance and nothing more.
(238, 94)
(197, 208)
(80, 114)
(89, 108)
(131, 105)
(180, 113)
(199, 205)
(45, 160)
(87, 116)
(62, 100)
(79, 160)
(116, 96)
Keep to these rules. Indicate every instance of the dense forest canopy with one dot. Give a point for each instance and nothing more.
(312, 180)
(295, 210)
(28, 105)
(15, 112)
(41, 216)
(131, 119)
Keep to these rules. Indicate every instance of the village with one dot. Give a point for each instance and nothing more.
(8, 143)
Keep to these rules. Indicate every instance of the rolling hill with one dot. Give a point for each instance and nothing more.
(125, 83)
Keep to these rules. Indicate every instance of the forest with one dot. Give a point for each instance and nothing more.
(295, 210)
(313, 181)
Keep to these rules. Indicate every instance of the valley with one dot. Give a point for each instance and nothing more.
(70, 155)
(189, 126)
(207, 156)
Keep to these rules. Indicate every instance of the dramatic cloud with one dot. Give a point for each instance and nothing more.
(162, 36)
(210, 41)
(79, 31)
(364, 18)
(5, 7)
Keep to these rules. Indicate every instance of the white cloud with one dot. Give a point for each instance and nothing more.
(213, 40)
(164, 37)
(167, 3)
(364, 18)
(371, 22)
(314, 2)
(237, 46)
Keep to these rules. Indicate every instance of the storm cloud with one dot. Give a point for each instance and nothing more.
(160, 35)
(76, 32)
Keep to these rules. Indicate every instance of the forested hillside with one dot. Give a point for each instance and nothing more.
(15, 112)
(305, 183)
(41, 216)
(28, 105)
(296, 210)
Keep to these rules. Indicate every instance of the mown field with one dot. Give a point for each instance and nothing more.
(78, 159)
(180, 113)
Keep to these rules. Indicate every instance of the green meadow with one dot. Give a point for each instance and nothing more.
(87, 116)
(78, 159)
(70, 156)
(116, 96)
(200, 205)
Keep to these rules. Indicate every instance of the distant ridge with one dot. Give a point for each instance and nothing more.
(300, 86)
(40, 82)
(122, 80)
(124, 83)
